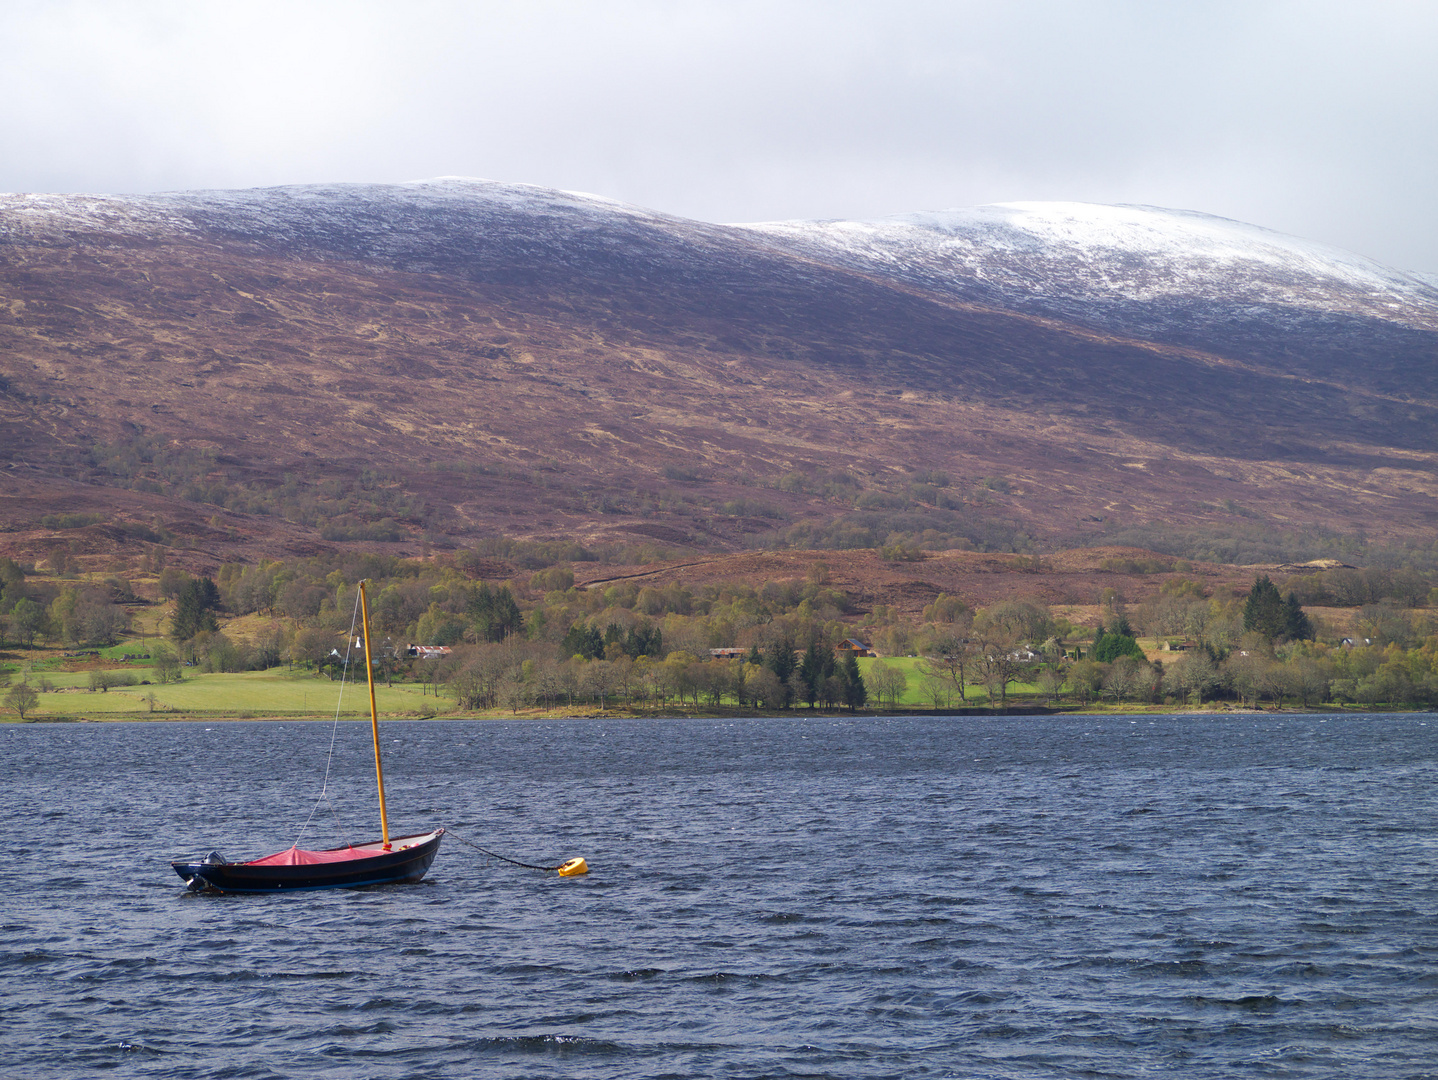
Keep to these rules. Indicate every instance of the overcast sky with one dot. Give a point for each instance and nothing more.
(1319, 119)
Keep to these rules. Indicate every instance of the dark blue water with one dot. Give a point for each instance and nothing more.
(1029, 897)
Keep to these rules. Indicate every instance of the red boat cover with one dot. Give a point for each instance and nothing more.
(300, 857)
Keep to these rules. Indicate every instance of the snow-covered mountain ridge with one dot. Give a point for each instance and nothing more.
(1082, 258)
(1167, 277)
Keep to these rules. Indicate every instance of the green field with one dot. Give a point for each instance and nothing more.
(282, 692)
(914, 694)
(276, 692)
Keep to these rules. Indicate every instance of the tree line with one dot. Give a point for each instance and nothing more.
(1253, 646)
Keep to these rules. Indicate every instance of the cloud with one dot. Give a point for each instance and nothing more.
(1313, 118)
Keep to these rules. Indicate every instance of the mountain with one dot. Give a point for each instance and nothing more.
(455, 359)
(1177, 277)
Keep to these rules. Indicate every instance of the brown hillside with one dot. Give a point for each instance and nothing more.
(1067, 578)
(686, 389)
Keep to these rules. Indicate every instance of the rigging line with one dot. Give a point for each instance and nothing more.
(334, 732)
(495, 855)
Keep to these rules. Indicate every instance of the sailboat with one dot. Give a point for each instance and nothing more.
(378, 862)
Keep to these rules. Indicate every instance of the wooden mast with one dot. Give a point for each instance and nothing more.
(373, 714)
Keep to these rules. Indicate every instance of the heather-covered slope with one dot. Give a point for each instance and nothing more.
(463, 357)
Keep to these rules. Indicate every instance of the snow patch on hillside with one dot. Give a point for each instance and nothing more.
(422, 210)
(1168, 273)
(1065, 256)
(26, 215)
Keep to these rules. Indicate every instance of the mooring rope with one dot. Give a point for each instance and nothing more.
(496, 855)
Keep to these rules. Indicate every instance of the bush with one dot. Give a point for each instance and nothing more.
(102, 680)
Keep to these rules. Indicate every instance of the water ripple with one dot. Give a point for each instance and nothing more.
(1220, 897)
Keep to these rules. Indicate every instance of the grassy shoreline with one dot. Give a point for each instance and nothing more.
(297, 694)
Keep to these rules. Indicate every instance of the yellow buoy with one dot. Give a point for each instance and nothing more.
(573, 868)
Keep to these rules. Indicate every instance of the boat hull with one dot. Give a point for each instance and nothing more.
(408, 859)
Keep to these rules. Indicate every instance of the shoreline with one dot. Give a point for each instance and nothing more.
(702, 713)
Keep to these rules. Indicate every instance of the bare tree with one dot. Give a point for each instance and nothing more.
(1308, 680)
(1000, 662)
(22, 698)
(597, 679)
(1247, 671)
(625, 676)
(888, 683)
(1193, 675)
(514, 688)
(1050, 681)
(1125, 676)
(954, 655)
(938, 688)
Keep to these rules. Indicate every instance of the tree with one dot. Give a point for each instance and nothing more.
(12, 579)
(172, 580)
(468, 689)
(514, 688)
(1193, 675)
(195, 609)
(101, 621)
(166, 664)
(217, 652)
(948, 609)
(27, 620)
(1248, 672)
(818, 664)
(1000, 662)
(439, 627)
(953, 654)
(626, 676)
(1018, 620)
(1125, 677)
(779, 659)
(269, 646)
(547, 682)
(103, 679)
(313, 646)
(1308, 680)
(937, 688)
(583, 640)
(64, 616)
(764, 687)
(1263, 611)
(494, 613)
(856, 694)
(1085, 677)
(889, 683)
(1050, 681)
(1296, 625)
(1111, 646)
(22, 698)
(597, 679)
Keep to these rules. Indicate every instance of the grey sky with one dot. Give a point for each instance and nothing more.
(1315, 118)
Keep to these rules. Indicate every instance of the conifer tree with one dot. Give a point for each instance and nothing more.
(1263, 611)
(816, 666)
(1296, 624)
(195, 609)
(856, 694)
